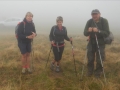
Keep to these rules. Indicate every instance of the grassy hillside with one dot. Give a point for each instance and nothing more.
(45, 79)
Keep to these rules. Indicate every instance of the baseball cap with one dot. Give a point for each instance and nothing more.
(95, 11)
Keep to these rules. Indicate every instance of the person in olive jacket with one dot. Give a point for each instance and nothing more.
(100, 26)
(26, 34)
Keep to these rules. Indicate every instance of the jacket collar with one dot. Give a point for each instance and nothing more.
(99, 20)
(26, 21)
(60, 28)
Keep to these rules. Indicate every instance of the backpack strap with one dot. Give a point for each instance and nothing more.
(90, 22)
(24, 26)
(33, 24)
(65, 29)
(102, 22)
(54, 30)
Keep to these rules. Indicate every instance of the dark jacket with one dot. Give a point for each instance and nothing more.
(103, 26)
(29, 28)
(57, 35)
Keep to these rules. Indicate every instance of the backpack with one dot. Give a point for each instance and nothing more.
(16, 29)
(109, 38)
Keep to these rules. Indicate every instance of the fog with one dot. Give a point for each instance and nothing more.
(75, 13)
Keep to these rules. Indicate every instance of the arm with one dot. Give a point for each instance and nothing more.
(51, 37)
(66, 36)
(21, 34)
(86, 33)
(34, 30)
(105, 32)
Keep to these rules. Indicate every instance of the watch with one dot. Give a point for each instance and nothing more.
(99, 31)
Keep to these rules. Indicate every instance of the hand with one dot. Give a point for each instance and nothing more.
(30, 37)
(95, 30)
(88, 38)
(33, 34)
(70, 39)
(90, 29)
(52, 42)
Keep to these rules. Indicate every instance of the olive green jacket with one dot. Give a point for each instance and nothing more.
(103, 27)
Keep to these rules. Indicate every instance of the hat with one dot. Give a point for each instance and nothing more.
(95, 11)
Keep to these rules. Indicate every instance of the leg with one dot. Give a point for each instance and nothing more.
(28, 60)
(28, 57)
(22, 47)
(28, 48)
(60, 55)
(90, 65)
(99, 67)
(24, 60)
(55, 52)
(91, 58)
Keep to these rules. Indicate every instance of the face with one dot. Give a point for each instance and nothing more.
(96, 16)
(29, 18)
(59, 23)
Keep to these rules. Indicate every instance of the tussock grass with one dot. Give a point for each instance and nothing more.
(45, 79)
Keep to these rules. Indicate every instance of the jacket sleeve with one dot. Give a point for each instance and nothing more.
(86, 33)
(34, 30)
(105, 32)
(21, 34)
(66, 36)
(51, 36)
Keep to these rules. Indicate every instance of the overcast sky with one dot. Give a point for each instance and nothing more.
(75, 12)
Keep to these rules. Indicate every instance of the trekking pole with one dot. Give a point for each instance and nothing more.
(32, 55)
(81, 79)
(73, 57)
(48, 56)
(83, 67)
(100, 58)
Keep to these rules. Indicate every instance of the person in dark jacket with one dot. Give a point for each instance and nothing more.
(101, 28)
(26, 34)
(57, 35)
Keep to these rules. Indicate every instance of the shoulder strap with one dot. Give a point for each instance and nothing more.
(24, 26)
(33, 24)
(102, 22)
(95, 24)
(65, 29)
(54, 30)
(90, 22)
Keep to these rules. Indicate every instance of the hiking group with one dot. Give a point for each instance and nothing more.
(96, 29)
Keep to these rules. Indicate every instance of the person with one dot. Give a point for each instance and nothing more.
(26, 34)
(57, 35)
(99, 26)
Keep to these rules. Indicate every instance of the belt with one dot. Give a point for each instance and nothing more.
(55, 45)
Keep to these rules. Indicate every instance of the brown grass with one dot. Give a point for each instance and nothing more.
(44, 79)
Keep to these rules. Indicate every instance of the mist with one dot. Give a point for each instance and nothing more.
(75, 13)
